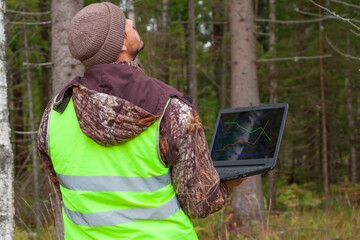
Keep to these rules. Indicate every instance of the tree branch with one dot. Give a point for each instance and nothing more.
(295, 59)
(37, 64)
(334, 14)
(30, 23)
(320, 15)
(339, 52)
(346, 4)
(25, 133)
(357, 34)
(27, 13)
(293, 21)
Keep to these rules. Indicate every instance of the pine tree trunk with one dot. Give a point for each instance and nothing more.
(130, 9)
(6, 157)
(273, 100)
(33, 137)
(164, 47)
(64, 67)
(191, 74)
(323, 121)
(247, 198)
(351, 120)
(220, 51)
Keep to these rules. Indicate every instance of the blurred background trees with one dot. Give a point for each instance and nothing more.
(188, 44)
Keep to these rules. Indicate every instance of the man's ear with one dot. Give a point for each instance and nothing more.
(124, 48)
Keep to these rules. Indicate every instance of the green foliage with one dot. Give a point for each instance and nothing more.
(295, 196)
(299, 181)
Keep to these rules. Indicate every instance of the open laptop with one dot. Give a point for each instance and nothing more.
(246, 141)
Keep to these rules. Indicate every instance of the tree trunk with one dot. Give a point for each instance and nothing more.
(247, 198)
(191, 74)
(130, 9)
(33, 138)
(350, 119)
(6, 157)
(64, 67)
(323, 121)
(220, 51)
(273, 99)
(164, 47)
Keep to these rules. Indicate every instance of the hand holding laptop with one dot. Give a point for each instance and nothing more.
(230, 184)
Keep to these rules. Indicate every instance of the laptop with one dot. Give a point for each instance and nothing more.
(246, 141)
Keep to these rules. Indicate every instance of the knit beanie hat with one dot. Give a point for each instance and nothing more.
(96, 33)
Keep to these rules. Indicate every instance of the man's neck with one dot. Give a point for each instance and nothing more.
(131, 64)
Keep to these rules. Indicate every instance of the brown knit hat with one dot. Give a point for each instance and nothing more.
(96, 33)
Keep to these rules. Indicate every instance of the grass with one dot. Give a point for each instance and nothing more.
(342, 222)
(301, 216)
(297, 218)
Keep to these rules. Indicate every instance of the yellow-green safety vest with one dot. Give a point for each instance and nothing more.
(118, 192)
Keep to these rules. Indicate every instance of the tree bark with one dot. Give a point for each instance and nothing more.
(247, 198)
(273, 99)
(220, 51)
(64, 67)
(33, 138)
(164, 44)
(6, 156)
(350, 120)
(130, 10)
(323, 121)
(191, 74)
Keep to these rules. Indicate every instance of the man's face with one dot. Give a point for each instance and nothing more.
(132, 40)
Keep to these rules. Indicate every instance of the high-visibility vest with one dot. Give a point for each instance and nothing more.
(118, 192)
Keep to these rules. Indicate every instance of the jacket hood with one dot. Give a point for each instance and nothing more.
(116, 102)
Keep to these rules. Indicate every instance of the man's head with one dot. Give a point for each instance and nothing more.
(100, 33)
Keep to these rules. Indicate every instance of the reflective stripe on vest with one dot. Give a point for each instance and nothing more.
(114, 183)
(121, 216)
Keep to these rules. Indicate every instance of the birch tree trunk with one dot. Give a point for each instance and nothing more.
(6, 156)
(130, 9)
(247, 198)
(64, 67)
(273, 99)
(323, 120)
(191, 74)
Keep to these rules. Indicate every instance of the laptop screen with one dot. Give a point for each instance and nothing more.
(246, 135)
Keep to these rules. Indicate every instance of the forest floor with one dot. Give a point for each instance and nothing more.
(300, 214)
(340, 223)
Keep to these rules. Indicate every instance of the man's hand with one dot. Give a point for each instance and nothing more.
(233, 183)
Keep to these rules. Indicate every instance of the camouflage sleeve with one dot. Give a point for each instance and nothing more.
(183, 147)
(42, 145)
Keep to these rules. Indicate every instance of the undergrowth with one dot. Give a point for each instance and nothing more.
(299, 215)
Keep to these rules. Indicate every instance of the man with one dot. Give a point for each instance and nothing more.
(127, 151)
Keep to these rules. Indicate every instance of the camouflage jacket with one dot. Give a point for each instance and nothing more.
(116, 102)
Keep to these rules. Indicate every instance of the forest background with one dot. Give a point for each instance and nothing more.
(298, 46)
